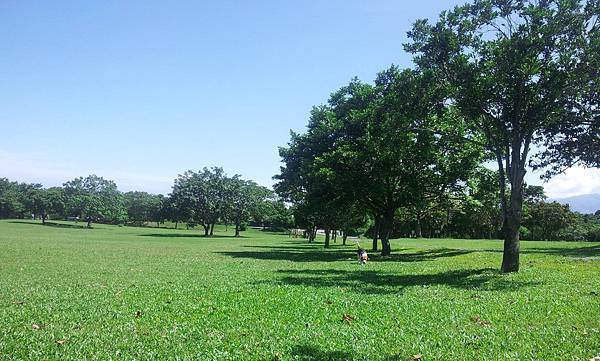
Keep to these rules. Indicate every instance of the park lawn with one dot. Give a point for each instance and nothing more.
(153, 293)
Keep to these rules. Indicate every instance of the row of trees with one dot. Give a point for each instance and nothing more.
(91, 198)
(202, 198)
(476, 213)
(210, 196)
(492, 80)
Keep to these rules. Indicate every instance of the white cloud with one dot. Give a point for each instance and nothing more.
(575, 181)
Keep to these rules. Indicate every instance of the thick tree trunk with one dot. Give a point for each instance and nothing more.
(515, 169)
(344, 237)
(510, 258)
(89, 223)
(212, 228)
(327, 233)
(376, 227)
(387, 223)
(206, 229)
(237, 228)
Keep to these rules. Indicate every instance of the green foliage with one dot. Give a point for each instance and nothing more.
(129, 293)
(143, 207)
(10, 200)
(377, 148)
(524, 73)
(95, 199)
(272, 214)
(210, 196)
(545, 220)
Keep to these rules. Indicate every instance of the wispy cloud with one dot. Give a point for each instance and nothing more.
(38, 168)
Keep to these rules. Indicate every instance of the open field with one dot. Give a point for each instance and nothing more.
(146, 293)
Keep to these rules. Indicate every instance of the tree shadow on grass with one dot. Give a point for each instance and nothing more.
(574, 252)
(588, 251)
(374, 282)
(313, 254)
(293, 255)
(312, 353)
(183, 235)
(52, 224)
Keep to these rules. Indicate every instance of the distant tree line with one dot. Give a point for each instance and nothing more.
(202, 198)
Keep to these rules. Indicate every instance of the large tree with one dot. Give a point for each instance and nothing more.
(10, 199)
(142, 207)
(50, 201)
(202, 196)
(385, 146)
(403, 149)
(526, 73)
(94, 198)
(244, 197)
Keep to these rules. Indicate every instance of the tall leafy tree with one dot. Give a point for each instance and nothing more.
(526, 73)
(244, 197)
(403, 149)
(202, 196)
(94, 198)
(50, 201)
(10, 199)
(142, 206)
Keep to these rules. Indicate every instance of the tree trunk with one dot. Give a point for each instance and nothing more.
(344, 237)
(44, 216)
(327, 232)
(510, 258)
(312, 234)
(419, 231)
(212, 228)
(334, 236)
(89, 223)
(376, 227)
(206, 229)
(387, 223)
(176, 224)
(237, 227)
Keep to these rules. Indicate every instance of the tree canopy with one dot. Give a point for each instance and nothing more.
(525, 73)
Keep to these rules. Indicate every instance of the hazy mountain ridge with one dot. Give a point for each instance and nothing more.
(585, 203)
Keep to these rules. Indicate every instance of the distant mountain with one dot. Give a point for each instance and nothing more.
(585, 203)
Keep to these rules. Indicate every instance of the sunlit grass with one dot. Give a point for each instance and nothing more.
(147, 293)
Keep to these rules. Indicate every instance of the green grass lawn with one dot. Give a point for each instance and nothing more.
(146, 293)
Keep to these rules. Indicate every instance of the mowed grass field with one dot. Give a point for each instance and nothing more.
(111, 292)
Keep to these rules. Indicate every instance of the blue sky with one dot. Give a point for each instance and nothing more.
(140, 91)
